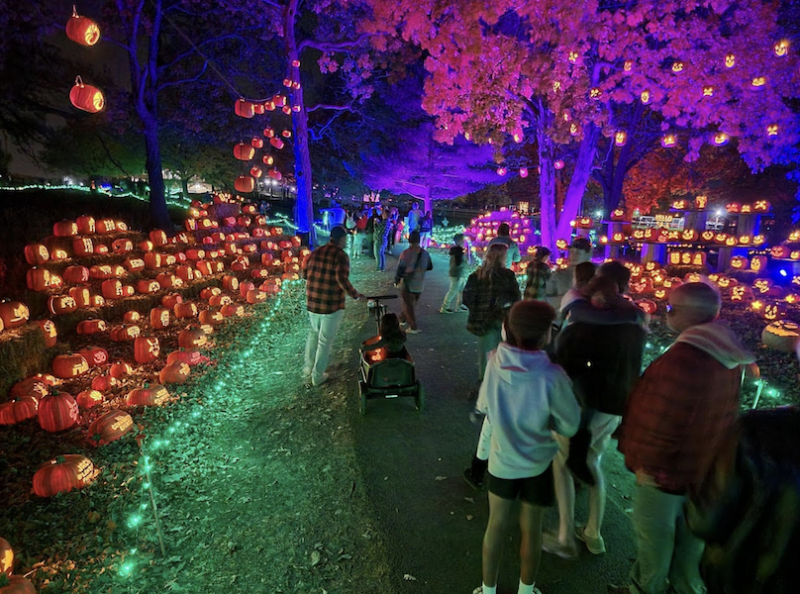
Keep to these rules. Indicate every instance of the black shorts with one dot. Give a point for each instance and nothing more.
(536, 490)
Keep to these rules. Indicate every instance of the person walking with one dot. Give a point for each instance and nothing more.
(504, 238)
(538, 273)
(459, 260)
(580, 250)
(409, 277)
(603, 358)
(414, 216)
(674, 425)
(489, 293)
(426, 230)
(526, 399)
(380, 233)
(327, 274)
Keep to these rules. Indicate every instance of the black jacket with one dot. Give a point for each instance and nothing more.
(603, 362)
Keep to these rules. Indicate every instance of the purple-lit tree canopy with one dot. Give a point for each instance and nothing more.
(711, 72)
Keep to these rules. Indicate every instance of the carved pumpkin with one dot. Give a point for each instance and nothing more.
(256, 296)
(190, 357)
(780, 251)
(211, 317)
(209, 292)
(134, 264)
(14, 314)
(86, 97)
(192, 337)
(245, 287)
(647, 305)
(145, 287)
(83, 31)
(120, 369)
(91, 327)
(232, 309)
(63, 474)
(61, 304)
(131, 317)
(65, 229)
(18, 410)
(171, 300)
(125, 333)
(146, 349)
(781, 335)
(89, 399)
(121, 246)
(185, 310)
(758, 263)
(36, 254)
(69, 366)
(82, 296)
(174, 373)
(111, 426)
(219, 300)
(159, 318)
(185, 273)
(773, 311)
(94, 356)
(58, 412)
(31, 386)
(739, 262)
(741, 293)
(49, 332)
(104, 383)
(148, 395)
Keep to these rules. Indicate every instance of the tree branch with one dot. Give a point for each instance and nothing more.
(185, 80)
(348, 107)
(328, 46)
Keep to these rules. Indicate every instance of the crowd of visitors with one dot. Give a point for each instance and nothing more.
(560, 375)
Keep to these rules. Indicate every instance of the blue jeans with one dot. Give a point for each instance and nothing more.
(380, 254)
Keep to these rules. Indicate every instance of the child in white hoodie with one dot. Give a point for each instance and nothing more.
(525, 398)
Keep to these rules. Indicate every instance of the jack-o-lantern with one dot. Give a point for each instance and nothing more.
(741, 293)
(773, 311)
(133, 264)
(721, 238)
(210, 292)
(744, 240)
(120, 369)
(731, 241)
(12, 412)
(174, 373)
(36, 254)
(132, 317)
(153, 261)
(82, 30)
(94, 356)
(146, 349)
(86, 97)
(739, 262)
(230, 283)
(91, 326)
(103, 383)
(693, 277)
(57, 412)
(647, 305)
(38, 279)
(146, 287)
(171, 300)
(105, 226)
(758, 263)
(190, 357)
(256, 296)
(159, 318)
(65, 229)
(61, 475)
(49, 332)
(762, 285)
(245, 183)
(759, 240)
(125, 333)
(112, 289)
(792, 298)
(121, 246)
(707, 236)
(211, 317)
(185, 272)
(148, 395)
(185, 310)
(61, 304)
(110, 427)
(232, 309)
(780, 251)
(690, 235)
(192, 337)
(102, 272)
(661, 293)
(89, 398)
(781, 335)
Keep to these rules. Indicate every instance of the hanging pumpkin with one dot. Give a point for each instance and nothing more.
(174, 373)
(89, 399)
(245, 184)
(63, 474)
(244, 152)
(94, 356)
(69, 366)
(148, 395)
(244, 109)
(111, 426)
(82, 30)
(14, 314)
(18, 410)
(57, 412)
(86, 97)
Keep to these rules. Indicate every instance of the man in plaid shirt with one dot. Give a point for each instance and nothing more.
(327, 272)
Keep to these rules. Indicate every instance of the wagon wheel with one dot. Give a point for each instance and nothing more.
(362, 392)
(419, 398)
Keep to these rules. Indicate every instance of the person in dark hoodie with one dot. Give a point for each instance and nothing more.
(603, 357)
(675, 423)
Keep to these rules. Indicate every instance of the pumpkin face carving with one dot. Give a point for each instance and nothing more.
(192, 337)
(146, 349)
(110, 427)
(174, 373)
(89, 399)
(14, 314)
(69, 366)
(63, 474)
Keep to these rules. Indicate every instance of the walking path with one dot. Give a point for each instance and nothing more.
(411, 465)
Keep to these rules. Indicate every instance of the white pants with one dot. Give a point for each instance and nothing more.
(320, 341)
(454, 293)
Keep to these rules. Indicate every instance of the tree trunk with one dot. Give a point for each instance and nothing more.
(159, 215)
(304, 205)
(185, 186)
(547, 186)
(577, 184)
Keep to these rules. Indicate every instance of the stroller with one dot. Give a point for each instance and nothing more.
(382, 376)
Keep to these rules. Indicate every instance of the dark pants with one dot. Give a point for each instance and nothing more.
(407, 314)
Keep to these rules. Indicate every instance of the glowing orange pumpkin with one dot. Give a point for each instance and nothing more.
(86, 97)
(82, 30)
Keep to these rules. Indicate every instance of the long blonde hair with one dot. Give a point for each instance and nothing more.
(493, 260)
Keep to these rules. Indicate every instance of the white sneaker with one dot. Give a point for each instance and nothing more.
(320, 381)
(306, 371)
